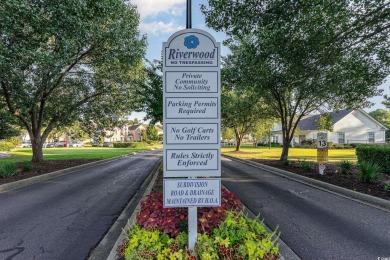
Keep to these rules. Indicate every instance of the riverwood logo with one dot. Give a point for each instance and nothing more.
(191, 42)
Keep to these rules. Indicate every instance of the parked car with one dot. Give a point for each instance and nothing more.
(58, 144)
(76, 144)
(48, 145)
(107, 144)
(26, 145)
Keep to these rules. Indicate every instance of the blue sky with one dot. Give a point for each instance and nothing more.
(162, 18)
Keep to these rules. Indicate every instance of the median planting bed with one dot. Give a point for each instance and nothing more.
(225, 232)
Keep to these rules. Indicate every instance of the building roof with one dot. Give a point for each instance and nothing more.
(134, 127)
(309, 122)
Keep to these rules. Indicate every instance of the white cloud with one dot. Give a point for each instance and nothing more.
(156, 28)
(151, 8)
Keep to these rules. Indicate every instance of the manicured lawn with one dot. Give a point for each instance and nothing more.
(25, 154)
(250, 152)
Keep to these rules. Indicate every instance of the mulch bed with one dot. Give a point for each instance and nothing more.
(348, 181)
(39, 168)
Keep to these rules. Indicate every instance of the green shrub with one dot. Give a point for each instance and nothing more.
(136, 145)
(387, 187)
(237, 236)
(7, 170)
(285, 160)
(15, 141)
(330, 145)
(27, 166)
(304, 165)
(375, 154)
(6, 146)
(346, 167)
(370, 172)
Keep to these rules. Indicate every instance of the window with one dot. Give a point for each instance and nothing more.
(371, 137)
(341, 138)
(275, 139)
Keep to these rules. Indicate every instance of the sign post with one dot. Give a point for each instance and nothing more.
(192, 110)
(322, 151)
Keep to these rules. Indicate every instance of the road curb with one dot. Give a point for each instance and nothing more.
(44, 177)
(346, 193)
(124, 223)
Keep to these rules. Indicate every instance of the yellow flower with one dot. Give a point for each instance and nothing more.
(225, 242)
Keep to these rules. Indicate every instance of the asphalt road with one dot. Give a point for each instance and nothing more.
(314, 223)
(65, 217)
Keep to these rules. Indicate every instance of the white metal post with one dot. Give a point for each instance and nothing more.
(192, 226)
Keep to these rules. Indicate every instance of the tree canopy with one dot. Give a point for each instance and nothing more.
(305, 56)
(150, 93)
(383, 117)
(67, 60)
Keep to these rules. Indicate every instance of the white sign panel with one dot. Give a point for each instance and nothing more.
(192, 159)
(183, 134)
(191, 81)
(191, 48)
(187, 108)
(322, 140)
(192, 192)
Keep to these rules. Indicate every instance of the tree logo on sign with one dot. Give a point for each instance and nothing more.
(191, 42)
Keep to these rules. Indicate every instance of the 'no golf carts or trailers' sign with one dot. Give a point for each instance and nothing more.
(192, 106)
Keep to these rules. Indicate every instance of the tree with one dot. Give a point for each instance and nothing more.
(150, 93)
(152, 133)
(67, 61)
(305, 56)
(227, 133)
(324, 123)
(262, 130)
(8, 126)
(383, 117)
(241, 111)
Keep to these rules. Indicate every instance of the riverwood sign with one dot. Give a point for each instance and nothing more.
(192, 105)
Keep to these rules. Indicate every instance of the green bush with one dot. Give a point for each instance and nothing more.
(136, 145)
(15, 141)
(346, 167)
(387, 187)
(370, 172)
(375, 154)
(27, 166)
(7, 170)
(304, 165)
(237, 237)
(6, 146)
(330, 145)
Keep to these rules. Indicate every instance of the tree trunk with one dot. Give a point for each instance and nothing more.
(37, 153)
(37, 144)
(238, 144)
(238, 139)
(286, 142)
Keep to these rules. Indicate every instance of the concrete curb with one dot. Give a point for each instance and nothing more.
(346, 193)
(44, 177)
(124, 223)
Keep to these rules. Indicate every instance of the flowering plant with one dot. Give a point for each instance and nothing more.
(172, 221)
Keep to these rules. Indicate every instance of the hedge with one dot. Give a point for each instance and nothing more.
(6, 146)
(375, 154)
(137, 145)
